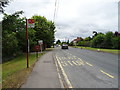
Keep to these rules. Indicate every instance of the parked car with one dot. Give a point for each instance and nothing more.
(64, 46)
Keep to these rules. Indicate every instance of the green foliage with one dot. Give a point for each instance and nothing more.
(58, 42)
(11, 25)
(98, 41)
(44, 30)
(84, 43)
(10, 44)
(116, 42)
(88, 39)
(71, 44)
(14, 34)
(108, 40)
(68, 42)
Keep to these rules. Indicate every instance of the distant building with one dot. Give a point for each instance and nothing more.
(75, 41)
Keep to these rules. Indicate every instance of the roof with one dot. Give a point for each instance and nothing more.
(78, 39)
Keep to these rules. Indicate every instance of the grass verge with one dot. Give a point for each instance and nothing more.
(113, 51)
(14, 72)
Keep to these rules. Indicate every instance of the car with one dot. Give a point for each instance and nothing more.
(64, 46)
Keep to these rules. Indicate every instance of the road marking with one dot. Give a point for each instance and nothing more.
(59, 58)
(65, 63)
(70, 63)
(79, 63)
(89, 64)
(74, 58)
(62, 64)
(75, 63)
(60, 79)
(64, 58)
(68, 57)
(64, 74)
(80, 59)
(82, 62)
(107, 74)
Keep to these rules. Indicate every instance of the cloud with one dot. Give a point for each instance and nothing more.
(86, 16)
(73, 18)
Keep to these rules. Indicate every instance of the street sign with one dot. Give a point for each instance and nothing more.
(37, 48)
(30, 23)
(40, 42)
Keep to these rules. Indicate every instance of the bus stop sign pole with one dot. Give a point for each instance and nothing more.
(27, 58)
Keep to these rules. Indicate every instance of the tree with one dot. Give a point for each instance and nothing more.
(58, 42)
(44, 30)
(116, 33)
(108, 40)
(3, 4)
(14, 37)
(68, 42)
(95, 34)
(10, 44)
(13, 34)
(98, 41)
(88, 38)
(116, 42)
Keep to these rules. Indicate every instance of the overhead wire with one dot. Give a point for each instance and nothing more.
(56, 9)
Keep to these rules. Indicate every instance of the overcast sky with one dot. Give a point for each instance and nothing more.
(74, 18)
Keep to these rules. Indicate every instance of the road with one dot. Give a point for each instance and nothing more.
(88, 69)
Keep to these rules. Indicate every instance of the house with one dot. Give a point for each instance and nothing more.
(75, 41)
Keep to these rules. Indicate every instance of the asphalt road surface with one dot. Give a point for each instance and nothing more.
(89, 69)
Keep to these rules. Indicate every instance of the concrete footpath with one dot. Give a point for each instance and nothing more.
(44, 74)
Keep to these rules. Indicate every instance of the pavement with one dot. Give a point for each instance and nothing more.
(44, 74)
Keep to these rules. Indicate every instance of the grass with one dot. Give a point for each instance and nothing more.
(114, 51)
(14, 72)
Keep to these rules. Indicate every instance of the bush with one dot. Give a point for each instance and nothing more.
(116, 42)
(98, 41)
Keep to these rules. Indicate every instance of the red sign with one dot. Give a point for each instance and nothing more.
(31, 21)
(37, 47)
